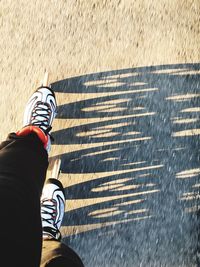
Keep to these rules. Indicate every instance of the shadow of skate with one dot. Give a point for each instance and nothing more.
(130, 163)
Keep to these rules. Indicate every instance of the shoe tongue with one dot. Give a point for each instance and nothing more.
(48, 212)
(41, 112)
(43, 106)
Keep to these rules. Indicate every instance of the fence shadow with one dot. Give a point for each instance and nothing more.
(131, 165)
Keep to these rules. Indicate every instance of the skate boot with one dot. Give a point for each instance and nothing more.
(39, 114)
(52, 208)
(41, 109)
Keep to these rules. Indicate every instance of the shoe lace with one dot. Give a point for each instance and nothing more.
(49, 211)
(41, 115)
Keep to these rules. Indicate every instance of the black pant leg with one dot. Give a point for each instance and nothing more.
(23, 165)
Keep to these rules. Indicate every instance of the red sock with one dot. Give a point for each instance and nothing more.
(29, 129)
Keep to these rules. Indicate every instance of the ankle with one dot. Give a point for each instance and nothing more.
(29, 129)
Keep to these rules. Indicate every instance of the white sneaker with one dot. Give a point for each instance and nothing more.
(52, 208)
(41, 109)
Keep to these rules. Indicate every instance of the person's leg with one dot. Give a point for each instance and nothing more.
(23, 165)
(54, 252)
